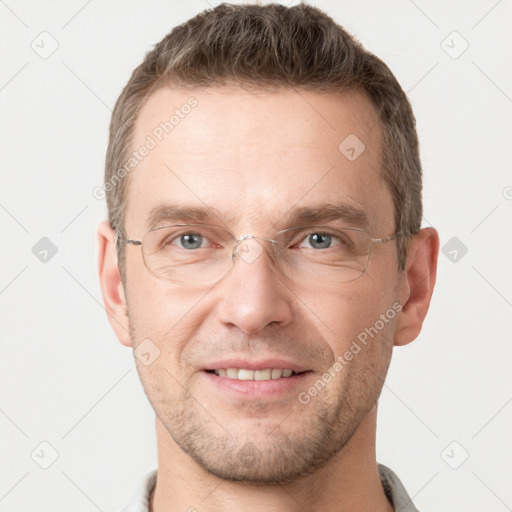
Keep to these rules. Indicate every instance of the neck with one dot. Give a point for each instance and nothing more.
(348, 482)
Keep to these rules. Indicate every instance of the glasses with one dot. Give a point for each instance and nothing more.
(198, 254)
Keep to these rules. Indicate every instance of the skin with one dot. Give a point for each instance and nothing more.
(251, 157)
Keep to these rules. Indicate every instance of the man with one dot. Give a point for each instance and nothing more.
(262, 257)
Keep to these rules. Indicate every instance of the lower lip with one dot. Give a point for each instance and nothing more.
(257, 388)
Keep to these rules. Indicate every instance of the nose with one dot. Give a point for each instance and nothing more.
(252, 295)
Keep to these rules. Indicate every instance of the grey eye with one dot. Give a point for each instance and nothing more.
(191, 241)
(320, 240)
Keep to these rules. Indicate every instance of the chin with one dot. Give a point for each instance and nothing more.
(264, 457)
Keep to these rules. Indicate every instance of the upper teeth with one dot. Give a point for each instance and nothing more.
(243, 374)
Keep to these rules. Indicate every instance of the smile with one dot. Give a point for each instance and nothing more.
(259, 375)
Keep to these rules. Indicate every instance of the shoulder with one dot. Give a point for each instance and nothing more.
(395, 490)
(140, 499)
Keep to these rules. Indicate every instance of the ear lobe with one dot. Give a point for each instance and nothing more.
(419, 278)
(111, 284)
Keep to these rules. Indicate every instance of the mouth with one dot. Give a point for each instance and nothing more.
(246, 379)
(258, 375)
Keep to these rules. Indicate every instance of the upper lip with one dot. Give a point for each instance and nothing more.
(251, 364)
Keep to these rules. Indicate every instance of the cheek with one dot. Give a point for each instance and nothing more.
(158, 312)
(363, 322)
(346, 314)
(167, 318)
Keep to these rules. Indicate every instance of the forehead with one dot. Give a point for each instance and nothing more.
(252, 157)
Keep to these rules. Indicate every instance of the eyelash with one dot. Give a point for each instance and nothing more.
(304, 236)
(298, 239)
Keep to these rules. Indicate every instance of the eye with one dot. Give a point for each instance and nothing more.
(321, 241)
(189, 241)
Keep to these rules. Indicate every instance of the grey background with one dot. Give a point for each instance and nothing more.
(68, 383)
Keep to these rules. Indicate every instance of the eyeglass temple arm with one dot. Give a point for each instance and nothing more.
(386, 239)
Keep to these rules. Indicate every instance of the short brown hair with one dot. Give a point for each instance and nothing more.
(273, 47)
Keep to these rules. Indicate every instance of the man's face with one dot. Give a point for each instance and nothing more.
(250, 160)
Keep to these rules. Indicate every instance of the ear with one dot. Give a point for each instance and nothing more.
(111, 284)
(419, 278)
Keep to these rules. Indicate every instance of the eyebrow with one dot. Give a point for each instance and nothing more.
(182, 213)
(323, 212)
(326, 212)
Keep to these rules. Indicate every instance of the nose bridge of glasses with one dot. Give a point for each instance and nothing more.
(248, 248)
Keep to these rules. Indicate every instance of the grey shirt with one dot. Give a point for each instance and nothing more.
(393, 488)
